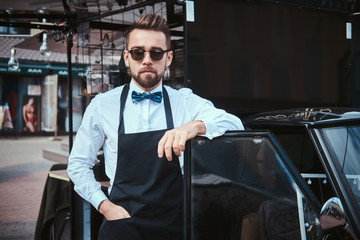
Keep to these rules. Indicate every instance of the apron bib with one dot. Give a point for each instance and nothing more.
(148, 187)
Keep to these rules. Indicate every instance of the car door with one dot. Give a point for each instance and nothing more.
(242, 186)
(338, 146)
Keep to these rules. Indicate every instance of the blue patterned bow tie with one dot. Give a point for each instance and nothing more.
(137, 97)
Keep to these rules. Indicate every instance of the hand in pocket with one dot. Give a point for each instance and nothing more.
(112, 211)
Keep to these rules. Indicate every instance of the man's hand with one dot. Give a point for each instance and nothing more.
(112, 211)
(176, 138)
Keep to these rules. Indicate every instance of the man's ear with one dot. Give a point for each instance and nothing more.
(169, 58)
(126, 58)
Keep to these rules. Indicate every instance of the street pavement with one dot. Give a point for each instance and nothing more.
(23, 172)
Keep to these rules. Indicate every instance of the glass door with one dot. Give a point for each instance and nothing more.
(242, 186)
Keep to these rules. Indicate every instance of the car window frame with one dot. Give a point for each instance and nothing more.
(332, 170)
(287, 163)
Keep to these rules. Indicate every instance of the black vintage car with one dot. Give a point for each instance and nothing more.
(295, 174)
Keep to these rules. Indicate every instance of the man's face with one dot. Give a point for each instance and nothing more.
(147, 73)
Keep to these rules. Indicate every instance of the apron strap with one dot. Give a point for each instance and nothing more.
(123, 97)
(168, 112)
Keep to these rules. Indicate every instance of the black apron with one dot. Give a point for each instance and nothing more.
(149, 188)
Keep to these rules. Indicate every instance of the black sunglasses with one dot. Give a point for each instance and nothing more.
(155, 54)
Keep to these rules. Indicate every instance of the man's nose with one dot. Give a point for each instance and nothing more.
(147, 59)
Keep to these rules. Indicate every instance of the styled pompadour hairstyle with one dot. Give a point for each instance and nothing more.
(151, 22)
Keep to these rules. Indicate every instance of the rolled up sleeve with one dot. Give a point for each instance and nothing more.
(88, 140)
(217, 121)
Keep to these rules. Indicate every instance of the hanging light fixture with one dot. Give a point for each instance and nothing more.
(13, 62)
(85, 41)
(113, 48)
(44, 48)
(106, 41)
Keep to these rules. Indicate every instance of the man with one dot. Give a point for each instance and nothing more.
(139, 134)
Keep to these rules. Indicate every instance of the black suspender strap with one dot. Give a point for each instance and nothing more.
(169, 118)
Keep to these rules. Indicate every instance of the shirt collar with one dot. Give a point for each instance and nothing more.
(134, 87)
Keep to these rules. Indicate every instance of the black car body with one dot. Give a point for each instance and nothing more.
(294, 174)
(324, 145)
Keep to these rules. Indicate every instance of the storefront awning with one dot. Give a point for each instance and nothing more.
(43, 70)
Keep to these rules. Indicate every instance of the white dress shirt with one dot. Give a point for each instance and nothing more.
(100, 124)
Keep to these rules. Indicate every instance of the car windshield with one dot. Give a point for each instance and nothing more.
(344, 143)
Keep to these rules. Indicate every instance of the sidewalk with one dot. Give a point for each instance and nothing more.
(23, 172)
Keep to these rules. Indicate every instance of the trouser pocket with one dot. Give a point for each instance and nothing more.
(122, 229)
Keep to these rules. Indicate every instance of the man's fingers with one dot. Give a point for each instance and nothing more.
(175, 139)
(126, 213)
(161, 147)
(165, 146)
(176, 146)
(168, 147)
(182, 142)
(113, 211)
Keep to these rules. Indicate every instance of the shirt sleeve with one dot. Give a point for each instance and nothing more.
(89, 139)
(217, 121)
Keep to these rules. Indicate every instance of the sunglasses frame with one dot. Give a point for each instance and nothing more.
(149, 51)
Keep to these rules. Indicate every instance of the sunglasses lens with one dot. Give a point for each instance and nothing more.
(137, 55)
(156, 55)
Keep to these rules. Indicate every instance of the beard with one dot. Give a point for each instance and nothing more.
(147, 81)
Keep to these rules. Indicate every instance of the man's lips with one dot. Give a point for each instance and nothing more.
(148, 70)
